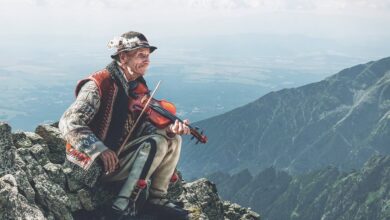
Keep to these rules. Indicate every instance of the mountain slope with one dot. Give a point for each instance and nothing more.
(340, 121)
(326, 194)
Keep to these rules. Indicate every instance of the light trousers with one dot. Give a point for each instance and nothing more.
(151, 157)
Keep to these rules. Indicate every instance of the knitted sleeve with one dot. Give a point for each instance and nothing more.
(74, 122)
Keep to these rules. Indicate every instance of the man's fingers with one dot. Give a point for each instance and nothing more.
(175, 127)
(114, 161)
(186, 129)
(109, 162)
(181, 127)
(180, 130)
(104, 162)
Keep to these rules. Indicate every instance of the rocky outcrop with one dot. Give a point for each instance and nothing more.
(35, 185)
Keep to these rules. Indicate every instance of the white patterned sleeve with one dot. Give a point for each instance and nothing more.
(74, 122)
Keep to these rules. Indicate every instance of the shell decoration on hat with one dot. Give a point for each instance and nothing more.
(121, 42)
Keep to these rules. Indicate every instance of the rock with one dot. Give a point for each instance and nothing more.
(235, 211)
(20, 140)
(86, 199)
(54, 141)
(52, 197)
(33, 185)
(201, 197)
(7, 150)
(32, 167)
(34, 138)
(55, 173)
(75, 204)
(24, 186)
(14, 205)
(39, 153)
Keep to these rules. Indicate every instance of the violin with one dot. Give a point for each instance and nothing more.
(160, 112)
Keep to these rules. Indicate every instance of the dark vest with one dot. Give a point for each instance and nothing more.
(113, 120)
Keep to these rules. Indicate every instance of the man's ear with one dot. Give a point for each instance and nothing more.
(122, 57)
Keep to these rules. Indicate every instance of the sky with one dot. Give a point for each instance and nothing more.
(29, 25)
(331, 18)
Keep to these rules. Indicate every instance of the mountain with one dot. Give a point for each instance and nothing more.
(34, 184)
(340, 121)
(326, 194)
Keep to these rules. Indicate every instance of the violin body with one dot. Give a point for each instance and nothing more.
(160, 121)
(160, 112)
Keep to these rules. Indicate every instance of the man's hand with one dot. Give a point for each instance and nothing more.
(110, 160)
(179, 127)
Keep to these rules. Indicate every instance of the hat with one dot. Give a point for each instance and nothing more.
(129, 41)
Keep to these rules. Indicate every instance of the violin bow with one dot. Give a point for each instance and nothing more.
(139, 117)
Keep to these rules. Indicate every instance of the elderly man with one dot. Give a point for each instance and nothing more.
(97, 124)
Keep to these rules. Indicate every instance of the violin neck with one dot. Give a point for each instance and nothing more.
(173, 118)
(167, 114)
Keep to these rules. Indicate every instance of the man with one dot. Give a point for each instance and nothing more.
(97, 124)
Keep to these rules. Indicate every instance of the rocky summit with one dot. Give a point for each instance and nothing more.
(34, 184)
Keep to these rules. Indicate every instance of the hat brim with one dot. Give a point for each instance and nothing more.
(151, 48)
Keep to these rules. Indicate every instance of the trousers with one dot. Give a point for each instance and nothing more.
(151, 157)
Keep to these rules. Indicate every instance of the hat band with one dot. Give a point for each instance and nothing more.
(121, 42)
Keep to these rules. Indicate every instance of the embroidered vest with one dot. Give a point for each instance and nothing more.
(108, 91)
(112, 121)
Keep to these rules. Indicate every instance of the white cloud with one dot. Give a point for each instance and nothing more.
(108, 18)
(209, 4)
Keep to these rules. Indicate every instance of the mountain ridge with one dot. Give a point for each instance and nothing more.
(321, 123)
(327, 194)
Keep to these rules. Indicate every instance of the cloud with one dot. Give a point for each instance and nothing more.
(211, 4)
(316, 5)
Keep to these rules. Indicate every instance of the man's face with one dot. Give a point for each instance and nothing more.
(138, 61)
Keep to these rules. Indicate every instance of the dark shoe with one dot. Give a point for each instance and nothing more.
(165, 210)
(114, 214)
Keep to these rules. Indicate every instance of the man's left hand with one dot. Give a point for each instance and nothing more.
(179, 127)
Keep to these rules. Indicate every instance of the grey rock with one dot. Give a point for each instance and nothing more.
(7, 150)
(75, 203)
(34, 138)
(14, 205)
(20, 139)
(86, 199)
(72, 182)
(52, 197)
(39, 152)
(24, 186)
(32, 167)
(233, 211)
(54, 141)
(55, 173)
(201, 197)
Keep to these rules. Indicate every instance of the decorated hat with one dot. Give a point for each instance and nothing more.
(129, 41)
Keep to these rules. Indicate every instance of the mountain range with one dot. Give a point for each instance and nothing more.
(341, 121)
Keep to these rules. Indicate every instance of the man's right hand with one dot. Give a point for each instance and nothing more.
(110, 160)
